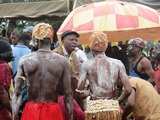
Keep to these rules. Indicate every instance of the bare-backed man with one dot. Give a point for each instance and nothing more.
(43, 71)
(106, 75)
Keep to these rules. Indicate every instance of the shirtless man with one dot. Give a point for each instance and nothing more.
(43, 71)
(68, 48)
(139, 65)
(105, 74)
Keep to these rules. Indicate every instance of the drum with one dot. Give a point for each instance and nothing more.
(103, 110)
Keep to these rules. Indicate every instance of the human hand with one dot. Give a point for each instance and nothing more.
(82, 93)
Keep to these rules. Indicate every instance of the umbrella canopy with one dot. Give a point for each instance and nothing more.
(120, 20)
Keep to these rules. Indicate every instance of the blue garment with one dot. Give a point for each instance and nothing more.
(18, 52)
(135, 73)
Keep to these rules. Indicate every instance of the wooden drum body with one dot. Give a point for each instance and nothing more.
(103, 110)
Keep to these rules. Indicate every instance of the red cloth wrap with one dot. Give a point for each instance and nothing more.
(5, 74)
(42, 111)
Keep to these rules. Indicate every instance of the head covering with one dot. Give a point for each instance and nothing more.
(66, 33)
(99, 41)
(42, 30)
(137, 41)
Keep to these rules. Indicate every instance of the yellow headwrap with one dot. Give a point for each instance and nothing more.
(42, 30)
(99, 41)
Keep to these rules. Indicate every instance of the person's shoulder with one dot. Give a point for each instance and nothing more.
(27, 57)
(137, 80)
(59, 57)
(133, 81)
(27, 48)
(57, 54)
(145, 61)
(113, 60)
(145, 58)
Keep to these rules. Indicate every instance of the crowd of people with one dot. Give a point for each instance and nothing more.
(37, 82)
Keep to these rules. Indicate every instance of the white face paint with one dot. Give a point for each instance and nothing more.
(103, 76)
(104, 73)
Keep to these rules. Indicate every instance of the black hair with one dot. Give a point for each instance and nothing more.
(24, 38)
(5, 51)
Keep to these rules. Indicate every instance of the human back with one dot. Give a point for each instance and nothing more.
(43, 71)
(42, 78)
(103, 74)
(147, 99)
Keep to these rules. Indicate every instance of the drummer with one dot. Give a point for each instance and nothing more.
(106, 76)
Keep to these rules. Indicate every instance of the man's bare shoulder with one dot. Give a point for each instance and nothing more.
(145, 61)
(114, 61)
(34, 57)
(59, 57)
(27, 57)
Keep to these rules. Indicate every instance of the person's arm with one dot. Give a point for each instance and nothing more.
(147, 67)
(83, 76)
(124, 82)
(130, 103)
(76, 65)
(19, 81)
(68, 90)
(81, 89)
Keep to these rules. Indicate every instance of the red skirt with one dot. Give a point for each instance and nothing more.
(42, 111)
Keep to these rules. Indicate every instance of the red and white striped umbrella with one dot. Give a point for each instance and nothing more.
(120, 20)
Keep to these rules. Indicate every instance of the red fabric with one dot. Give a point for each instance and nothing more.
(77, 111)
(124, 21)
(42, 111)
(4, 114)
(5, 74)
(5, 80)
(157, 79)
